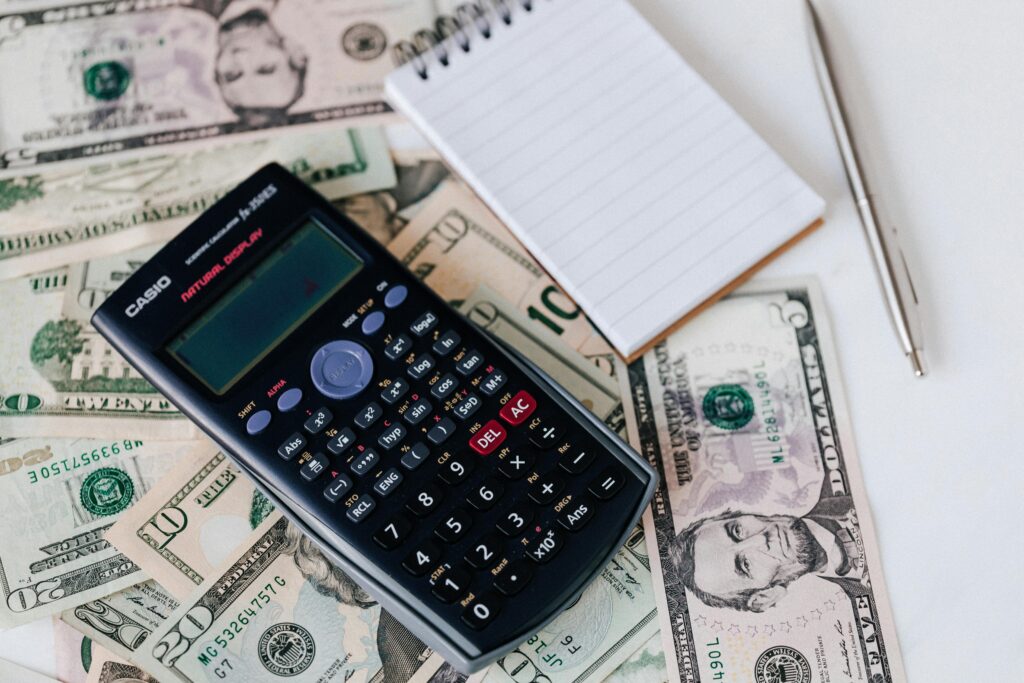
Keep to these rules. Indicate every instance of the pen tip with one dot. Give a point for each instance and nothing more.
(917, 361)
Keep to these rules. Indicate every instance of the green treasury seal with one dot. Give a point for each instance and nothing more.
(728, 406)
(286, 649)
(782, 664)
(107, 491)
(106, 80)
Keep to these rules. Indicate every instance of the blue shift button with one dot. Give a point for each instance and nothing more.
(257, 422)
(341, 369)
(373, 322)
(395, 296)
(289, 399)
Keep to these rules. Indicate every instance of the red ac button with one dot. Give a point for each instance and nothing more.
(518, 409)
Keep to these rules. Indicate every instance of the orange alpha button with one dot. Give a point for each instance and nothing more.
(518, 409)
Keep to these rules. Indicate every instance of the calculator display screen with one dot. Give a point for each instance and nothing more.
(274, 298)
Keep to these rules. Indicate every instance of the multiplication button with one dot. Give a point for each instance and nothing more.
(517, 465)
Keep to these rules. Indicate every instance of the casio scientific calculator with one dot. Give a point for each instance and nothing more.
(457, 483)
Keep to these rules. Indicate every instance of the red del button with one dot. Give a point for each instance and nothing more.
(518, 409)
(488, 438)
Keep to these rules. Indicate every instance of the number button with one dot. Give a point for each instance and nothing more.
(338, 487)
(451, 585)
(314, 466)
(391, 436)
(398, 347)
(421, 366)
(394, 531)
(546, 488)
(318, 421)
(444, 387)
(425, 501)
(365, 461)
(493, 382)
(441, 431)
(467, 406)
(515, 520)
(415, 413)
(546, 434)
(455, 470)
(394, 391)
(292, 447)
(608, 483)
(454, 526)
(486, 494)
(416, 456)
(481, 612)
(339, 444)
(484, 552)
(368, 414)
(470, 363)
(514, 578)
(575, 462)
(446, 343)
(387, 482)
(422, 559)
(517, 465)
(423, 324)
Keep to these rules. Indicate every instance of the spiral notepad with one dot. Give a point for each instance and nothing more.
(623, 172)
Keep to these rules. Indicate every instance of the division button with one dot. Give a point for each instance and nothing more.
(517, 465)
(514, 578)
(257, 422)
(481, 612)
(544, 548)
(423, 324)
(365, 461)
(608, 483)
(546, 434)
(415, 413)
(318, 421)
(416, 456)
(451, 585)
(446, 343)
(289, 399)
(373, 322)
(340, 443)
(341, 369)
(394, 531)
(520, 407)
(576, 515)
(441, 431)
(292, 447)
(398, 347)
(387, 482)
(368, 414)
(395, 296)
(339, 487)
(492, 382)
(361, 508)
(488, 438)
(314, 466)
(470, 363)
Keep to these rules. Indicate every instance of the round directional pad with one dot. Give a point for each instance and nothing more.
(341, 369)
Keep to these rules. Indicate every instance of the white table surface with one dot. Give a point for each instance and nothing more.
(936, 90)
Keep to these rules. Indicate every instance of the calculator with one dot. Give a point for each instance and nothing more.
(455, 481)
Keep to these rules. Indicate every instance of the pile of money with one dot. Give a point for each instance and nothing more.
(121, 522)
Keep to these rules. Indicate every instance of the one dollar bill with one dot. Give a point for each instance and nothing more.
(761, 540)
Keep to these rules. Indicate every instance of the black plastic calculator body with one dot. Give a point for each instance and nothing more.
(458, 484)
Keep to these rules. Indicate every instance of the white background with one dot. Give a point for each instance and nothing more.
(936, 93)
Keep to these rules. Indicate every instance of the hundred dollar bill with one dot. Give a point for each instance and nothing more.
(761, 540)
(455, 243)
(57, 498)
(121, 622)
(59, 377)
(278, 610)
(140, 76)
(191, 521)
(108, 667)
(79, 212)
(613, 617)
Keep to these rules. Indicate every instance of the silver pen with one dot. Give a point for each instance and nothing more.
(885, 249)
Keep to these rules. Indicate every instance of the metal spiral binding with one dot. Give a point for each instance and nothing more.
(477, 17)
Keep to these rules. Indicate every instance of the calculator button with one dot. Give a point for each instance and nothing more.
(391, 436)
(314, 466)
(488, 438)
(395, 296)
(423, 324)
(545, 547)
(470, 363)
(422, 559)
(575, 462)
(289, 399)
(365, 461)
(446, 343)
(441, 431)
(340, 443)
(292, 447)
(415, 413)
(481, 612)
(454, 526)
(492, 382)
(514, 522)
(517, 465)
(546, 434)
(443, 387)
(416, 456)
(373, 322)
(424, 501)
(394, 391)
(518, 409)
(451, 585)
(318, 421)
(387, 482)
(573, 517)
(546, 488)
(514, 578)
(394, 531)
(341, 369)
(338, 488)
(398, 347)
(486, 494)
(484, 552)
(361, 508)
(368, 414)
(455, 470)
(608, 483)
(421, 366)
(257, 422)
(467, 406)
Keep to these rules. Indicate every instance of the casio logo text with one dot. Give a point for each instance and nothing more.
(148, 296)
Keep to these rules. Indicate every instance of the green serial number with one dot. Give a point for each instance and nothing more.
(83, 459)
(241, 620)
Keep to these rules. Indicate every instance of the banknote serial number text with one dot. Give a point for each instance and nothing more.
(715, 660)
(241, 620)
(552, 658)
(83, 459)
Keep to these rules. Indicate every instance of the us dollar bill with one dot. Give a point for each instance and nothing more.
(761, 540)
(73, 652)
(646, 665)
(108, 667)
(75, 213)
(278, 610)
(100, 81)
(59, 377)
(57, 498)
(455, 243)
